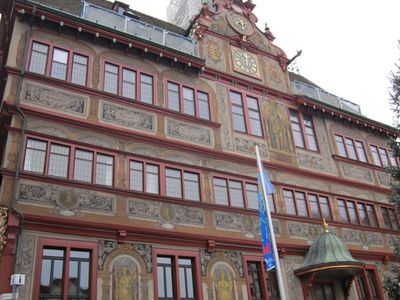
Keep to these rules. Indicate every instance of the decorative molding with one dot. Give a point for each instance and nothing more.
(313, 161)
(233, 256)
(293, 283)
(364, 238)
(55, 99)
(224, 118)
(127, 117)
(146, 252)
(214, 53)
(357, 173)
(168, 215)
(306, 231)
(384, 178)
(3, 226)
(188, 132)
(66, 202)
(391, 239)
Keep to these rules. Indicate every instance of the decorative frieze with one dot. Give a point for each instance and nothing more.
(234, 257)
(384, 178)
(364, 238)
(104, 248)
(67, 202)
(55, 99)
(293, 283)
(355, 172)
(224, 118)
(168, 215)
(189, 132)
(313, 161)
(249, 147)
(306, 231)
(127, 117)
(3, 226)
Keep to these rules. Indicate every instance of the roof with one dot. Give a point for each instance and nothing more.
(74, 7)
(298, 77)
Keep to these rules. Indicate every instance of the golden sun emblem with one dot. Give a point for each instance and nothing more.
(214, 51)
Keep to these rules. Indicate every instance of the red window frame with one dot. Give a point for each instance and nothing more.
(246, 113)
(392, 218)
(49, 60)
(391, 161)
(244, 191)
(162, 184)
(181, 99)
(175, 255)
(357, 212)
(120, 80)
(71, 160)
(264, 277)
(67, 245)
(356, 149)
(369, 273)
(307, 202)
(300, 118)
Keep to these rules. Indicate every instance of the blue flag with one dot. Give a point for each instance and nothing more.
(265, 235)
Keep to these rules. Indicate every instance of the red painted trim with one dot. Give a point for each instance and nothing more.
(67, 245)
(175, 254)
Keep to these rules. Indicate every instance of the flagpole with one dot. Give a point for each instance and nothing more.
(271, 230)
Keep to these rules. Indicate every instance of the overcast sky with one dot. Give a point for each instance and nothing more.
(349, 46)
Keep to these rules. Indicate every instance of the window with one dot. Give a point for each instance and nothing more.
(188, 100)
(177, 275)
(63, 64)
(350, 148)
(356, 212)
(128, 83)
(246, 114)
(238, 193)
(303, 131)
(383, 157)
(54, 159)
(147, 177)
(66, 270)
(259, 282)
(367, 284)
(390, 219)
(307, 204)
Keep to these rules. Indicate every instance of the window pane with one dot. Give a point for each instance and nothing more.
(361, 151)
(83, 165)
(386, 218)
(35, 156)
(392, 159)
(254, 114)
(384, 157)
(372, 215)
(173, 96)
(254, 280)
(146, 88)
(59, 158)
(375, 155)
(173, 183)
(128, 83)
(394, 219)
(313, 200)
(111, 78)
(301, 204)
(340, 146)
(152, 179)
(104, 169)
(79, 69)
(188, 101)
(351, 151)
(239, 122)
(296, 129)
(289, 202)
(324, 205)
(136, 176)
(38, 58)
(343, 211)
(362, 214)
(352, 212)
(59, 64)
(204, 106)
(164, 277)
(192, 186)
(221, 191)
(236, 193)
(310, 133)
(252, 195)
(52, 274)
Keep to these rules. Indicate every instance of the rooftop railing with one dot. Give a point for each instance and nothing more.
(139, 29)
(323, 96)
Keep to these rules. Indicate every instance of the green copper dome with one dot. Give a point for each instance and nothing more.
(328, 252)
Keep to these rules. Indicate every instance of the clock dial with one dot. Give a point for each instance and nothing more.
(240, 24)
(245, 62)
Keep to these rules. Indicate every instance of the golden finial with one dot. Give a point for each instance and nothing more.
(325, 225)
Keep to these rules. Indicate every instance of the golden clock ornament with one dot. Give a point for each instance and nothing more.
(245, 62)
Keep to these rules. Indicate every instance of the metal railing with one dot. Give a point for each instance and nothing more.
(323, 96)
(138, 28)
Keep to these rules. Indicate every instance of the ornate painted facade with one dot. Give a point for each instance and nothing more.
(128, 163)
